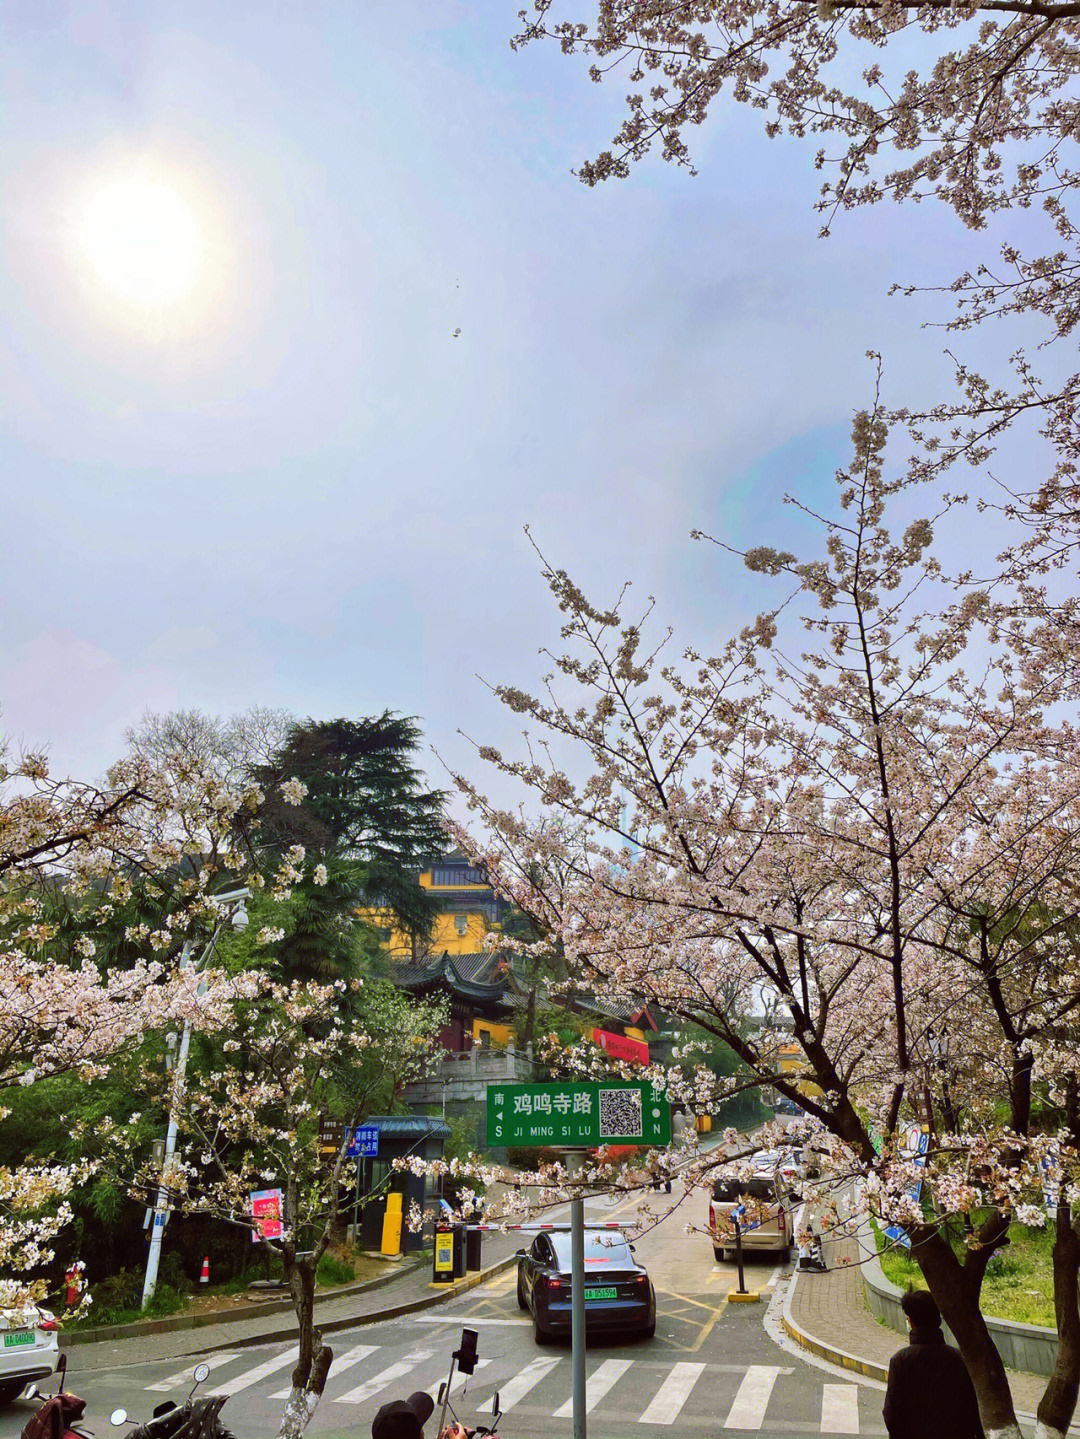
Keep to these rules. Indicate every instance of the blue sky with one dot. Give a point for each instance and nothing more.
(315, 496)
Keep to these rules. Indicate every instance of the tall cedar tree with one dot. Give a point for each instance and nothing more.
(367, 816)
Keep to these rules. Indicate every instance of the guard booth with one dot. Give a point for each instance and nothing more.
(401, 1136)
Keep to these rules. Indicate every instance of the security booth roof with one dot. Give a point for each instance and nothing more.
(409, 1126)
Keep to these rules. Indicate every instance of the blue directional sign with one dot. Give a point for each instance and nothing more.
(363, 1141)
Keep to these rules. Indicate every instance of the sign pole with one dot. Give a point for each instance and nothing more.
(577, 1310)
(738, 1256)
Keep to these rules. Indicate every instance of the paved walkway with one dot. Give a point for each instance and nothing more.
(330, 1313)
(830, 1309)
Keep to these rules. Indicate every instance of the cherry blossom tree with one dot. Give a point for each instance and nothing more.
(878, 828)
(249, 1119)
(973, 105)
(72, 856)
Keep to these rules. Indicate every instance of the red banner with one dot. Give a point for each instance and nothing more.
(266, 1212)
(619, 1047)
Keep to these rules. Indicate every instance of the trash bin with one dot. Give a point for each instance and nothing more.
(473, 1240)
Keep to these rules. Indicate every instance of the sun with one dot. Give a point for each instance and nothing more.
(142, 240)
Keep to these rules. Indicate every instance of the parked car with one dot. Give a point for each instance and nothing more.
(791, 1166)
(619, 1294)
(786, 1106)
(770, 1229)
(28, 1348)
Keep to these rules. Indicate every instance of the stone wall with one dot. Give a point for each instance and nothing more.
(1021, 1346)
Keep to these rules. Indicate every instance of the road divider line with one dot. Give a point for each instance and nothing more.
(672, 1394)
(752, 1398)
(514, 1390)
(596, 1386)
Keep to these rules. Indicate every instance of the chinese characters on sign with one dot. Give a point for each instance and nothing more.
(266, 1212)
(621, 1047)
(577, 1115)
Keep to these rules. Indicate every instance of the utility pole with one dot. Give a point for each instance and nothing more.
(238, 918)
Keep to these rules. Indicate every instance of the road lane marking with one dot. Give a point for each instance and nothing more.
(340, 1363)
(459, 1380)
(752, 1399)
(464, 1319)
(840, 1409)
(514, 1390)
(363, 1392)
(672, 1394)
(596, 1386)
(186, 1377)
(261, 1371)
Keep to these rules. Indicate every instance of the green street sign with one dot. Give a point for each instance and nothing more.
(577, 1115)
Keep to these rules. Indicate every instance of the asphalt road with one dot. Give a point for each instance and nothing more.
(711, 1368)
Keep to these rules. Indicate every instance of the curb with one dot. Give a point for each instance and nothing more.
(377, 1316)
(173, 1323)
(823, 1350)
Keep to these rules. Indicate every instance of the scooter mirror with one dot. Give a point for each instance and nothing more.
(61, 1364)
(118, 1417)
(31, 1392)
(495, 1410)
(202, 1373)
(442, 1392)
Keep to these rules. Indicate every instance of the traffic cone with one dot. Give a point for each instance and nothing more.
(204, 1277)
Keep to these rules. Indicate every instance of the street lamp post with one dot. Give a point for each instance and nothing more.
(238, 918)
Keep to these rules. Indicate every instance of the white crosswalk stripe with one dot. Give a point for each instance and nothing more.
(752, 1398)
(363, 1392)
(261, 1371)
(839, 1402)
(596, 1386)
(460, 1380)
(340, 1363)
(514, 1390)
(185, 1378)
(672, 1394)
(840, 1409)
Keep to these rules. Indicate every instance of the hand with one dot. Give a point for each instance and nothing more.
(454, 1431)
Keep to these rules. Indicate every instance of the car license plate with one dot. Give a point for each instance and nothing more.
(601, 1294)
(18, 1336)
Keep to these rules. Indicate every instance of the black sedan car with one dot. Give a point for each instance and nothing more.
(618, 1292)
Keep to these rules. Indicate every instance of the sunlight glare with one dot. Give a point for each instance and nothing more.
(143, 240)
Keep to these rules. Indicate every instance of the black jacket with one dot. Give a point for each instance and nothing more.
(930, 1394)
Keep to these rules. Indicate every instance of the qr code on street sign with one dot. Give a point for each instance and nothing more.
(620, 1113)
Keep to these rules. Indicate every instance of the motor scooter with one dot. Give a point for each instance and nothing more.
(194, 1419)
(58, 1414)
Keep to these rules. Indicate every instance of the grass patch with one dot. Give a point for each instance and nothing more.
(1019, 1281)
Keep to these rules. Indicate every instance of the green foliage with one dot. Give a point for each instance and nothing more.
(334, 1270)
(1019, 1280)
(118, 1299)
(743, 1110)
(365, 803)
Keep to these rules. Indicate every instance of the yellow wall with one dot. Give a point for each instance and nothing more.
(501, 1034)
(445, 935)
(792, 1061)
(634, 1034)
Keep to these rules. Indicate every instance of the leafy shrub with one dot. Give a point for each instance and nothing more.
(334, 1270)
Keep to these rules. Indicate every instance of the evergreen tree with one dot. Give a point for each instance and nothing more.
(367, 818)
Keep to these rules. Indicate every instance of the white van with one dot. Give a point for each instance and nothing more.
(771, 1228)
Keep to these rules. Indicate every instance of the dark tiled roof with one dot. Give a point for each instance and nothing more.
(473, 975)
(408, 1126)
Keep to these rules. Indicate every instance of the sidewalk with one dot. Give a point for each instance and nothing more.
(825, 1313)
(404, 1293)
